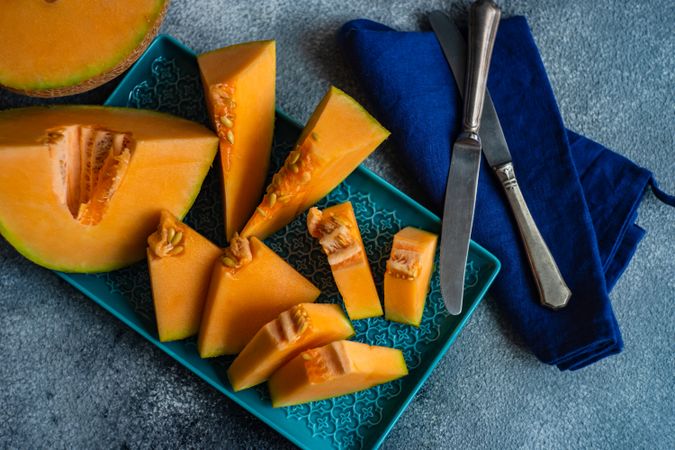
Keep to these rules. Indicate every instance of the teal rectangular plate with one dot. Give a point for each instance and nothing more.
(166, 78)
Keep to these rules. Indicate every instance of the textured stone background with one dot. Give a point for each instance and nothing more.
(73, 376)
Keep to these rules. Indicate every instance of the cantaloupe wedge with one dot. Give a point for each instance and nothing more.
(51, 48)
(338, 137)
(250, 285)
(81, 187)
(180, 261)
(339, 236)
(406, 280)
(339, 368)
(239, 89)
(302, 327)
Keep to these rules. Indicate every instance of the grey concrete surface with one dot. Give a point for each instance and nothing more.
(72, 376)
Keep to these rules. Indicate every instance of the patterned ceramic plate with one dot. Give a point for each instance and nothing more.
(166, 78)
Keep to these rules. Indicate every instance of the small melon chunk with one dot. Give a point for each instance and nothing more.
(339, 368)
(304, 326)
(338, 137)
(406, 280)
(250, 286)
(239, 89)
(338, 233)
(81, 187)
(180, 261)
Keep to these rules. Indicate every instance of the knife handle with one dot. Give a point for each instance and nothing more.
(553, 292)
(483, 22)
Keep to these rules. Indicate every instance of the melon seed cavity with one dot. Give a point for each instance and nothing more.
(88, 165)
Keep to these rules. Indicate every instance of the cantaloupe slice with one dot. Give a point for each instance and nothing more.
(338, 137)
(303, 326)
(81, 187)
(406, 280)
(250, 286)
(339, 368)
(180, 261)
(50, 48)
(239, 89)
(338, 233)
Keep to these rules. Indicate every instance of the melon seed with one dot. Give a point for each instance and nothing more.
(293, 157)
(294, 168)
(229, 262)
(261, 211)
(306, 176)
(315, 136)
(176, 238)
(177, 250)
(272, 199)
(171, 233)
(341, 221)
(230, 136)
(227, 122)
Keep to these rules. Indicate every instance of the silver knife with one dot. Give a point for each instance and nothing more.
(460, 192)
(553, 292)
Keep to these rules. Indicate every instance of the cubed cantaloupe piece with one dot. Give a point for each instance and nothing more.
(406, 280)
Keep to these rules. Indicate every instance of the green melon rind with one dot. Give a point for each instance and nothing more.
(92, 71)
(29, 254)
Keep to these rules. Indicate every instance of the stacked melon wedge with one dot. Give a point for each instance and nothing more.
(89, 189)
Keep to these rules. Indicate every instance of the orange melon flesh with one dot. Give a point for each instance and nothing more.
(338, 233)
(88, 205)
(303, 326)
(338, 137)
(409, 270)
(180, 262)
(250, 286)
(239, 89)
(339, 368)
(57, 45)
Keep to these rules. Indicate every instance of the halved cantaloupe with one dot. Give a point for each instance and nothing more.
(180, 261)
(81, 187)
(338, 137)
(52, 48)
(339, 368)
(406, 280)
(250, 286)
(303, 326)
(239, 89)
(338, 233)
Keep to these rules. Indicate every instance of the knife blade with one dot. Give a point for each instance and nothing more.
(553, 291)
(462, 184)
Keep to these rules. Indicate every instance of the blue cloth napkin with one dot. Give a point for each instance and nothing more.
(583, 196)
